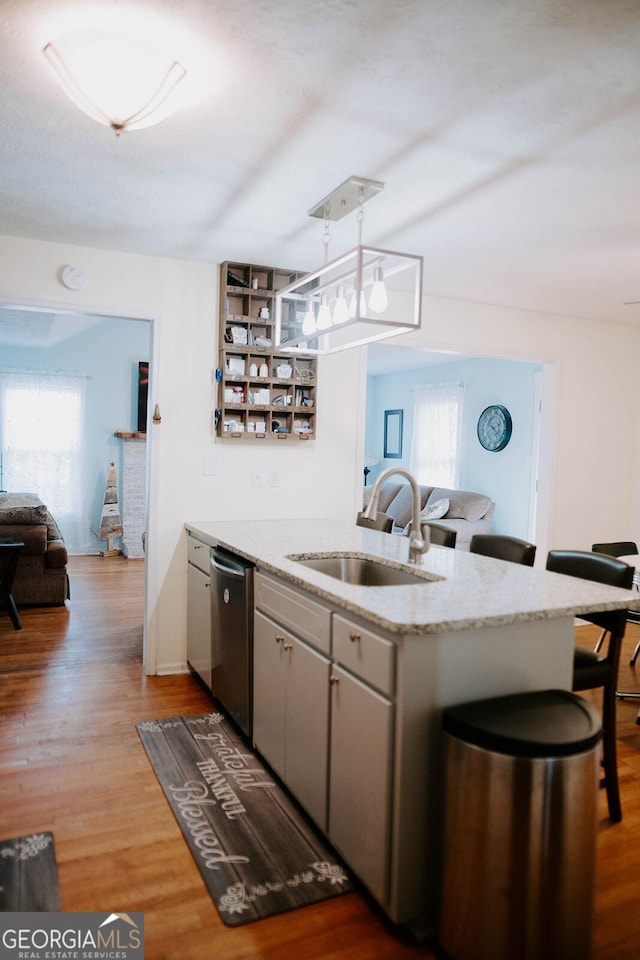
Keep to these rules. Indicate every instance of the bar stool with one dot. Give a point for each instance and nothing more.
(382, 521)
(503, 548)
(9, 554)
(622, 548)
(591, 669)
(442, 536)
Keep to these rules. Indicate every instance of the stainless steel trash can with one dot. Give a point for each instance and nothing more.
(520, 817)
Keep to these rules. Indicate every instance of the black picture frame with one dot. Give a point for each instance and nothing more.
(393, 434)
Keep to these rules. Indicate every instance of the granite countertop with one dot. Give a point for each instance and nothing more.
(474, 591)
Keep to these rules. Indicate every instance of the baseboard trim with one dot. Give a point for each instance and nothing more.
(165, 669)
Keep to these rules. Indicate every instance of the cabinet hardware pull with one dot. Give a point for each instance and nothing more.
(333, 680)
(279, 638)
(354, 637)
(288, 646)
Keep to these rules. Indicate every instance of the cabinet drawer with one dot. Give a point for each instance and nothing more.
(369, 656)
(304, 617)
(198, 553)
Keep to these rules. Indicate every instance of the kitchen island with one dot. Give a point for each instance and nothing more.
(350, 680)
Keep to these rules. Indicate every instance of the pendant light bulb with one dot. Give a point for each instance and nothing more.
(309, 321)
(354, 303)
(340, 308)
(378, 299)
(324, 314)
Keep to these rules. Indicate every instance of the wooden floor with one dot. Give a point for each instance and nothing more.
(71, 692)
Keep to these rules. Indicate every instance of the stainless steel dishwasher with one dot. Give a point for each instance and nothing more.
(232, 635)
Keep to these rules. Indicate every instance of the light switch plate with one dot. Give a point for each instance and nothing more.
(257, 477)
(210, 465)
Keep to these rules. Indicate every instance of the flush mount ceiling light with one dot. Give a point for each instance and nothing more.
(363, 296)
(121, 81)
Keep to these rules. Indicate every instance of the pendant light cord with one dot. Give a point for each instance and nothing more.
(326, 237)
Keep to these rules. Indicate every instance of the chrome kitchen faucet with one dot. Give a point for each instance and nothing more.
(419, 532)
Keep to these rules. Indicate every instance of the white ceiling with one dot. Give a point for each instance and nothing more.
(507, 133)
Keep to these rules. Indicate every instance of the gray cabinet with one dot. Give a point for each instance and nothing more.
(361, 771)
(269, 691)
(360, 779)
(291, 712)
(323, 718)
(199, 610)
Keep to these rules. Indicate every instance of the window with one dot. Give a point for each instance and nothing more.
(42, 435)
(435, 444)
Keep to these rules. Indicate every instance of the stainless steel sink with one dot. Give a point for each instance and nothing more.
(363, 571)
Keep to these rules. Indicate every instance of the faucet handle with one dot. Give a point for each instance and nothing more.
(425, 530)
(419, 543)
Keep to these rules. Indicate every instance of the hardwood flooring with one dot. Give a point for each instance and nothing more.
(72, 690)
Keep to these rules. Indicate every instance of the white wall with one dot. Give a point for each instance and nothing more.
(594, 432)
(320, 478)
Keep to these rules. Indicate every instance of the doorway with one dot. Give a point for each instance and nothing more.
(516, 477)
(103, 352)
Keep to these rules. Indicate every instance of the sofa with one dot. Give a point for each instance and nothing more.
(460, 510)
(41, 575)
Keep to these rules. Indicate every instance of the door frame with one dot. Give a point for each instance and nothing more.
(541, 458)
(151, 586)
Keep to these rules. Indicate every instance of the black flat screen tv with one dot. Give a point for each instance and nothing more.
(143, 394)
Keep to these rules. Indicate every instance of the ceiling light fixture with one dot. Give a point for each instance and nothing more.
(117, 80)
(384, 288)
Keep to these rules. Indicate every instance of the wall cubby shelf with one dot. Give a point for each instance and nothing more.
(263, 393)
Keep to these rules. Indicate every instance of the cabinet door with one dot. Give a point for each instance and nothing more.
(360, 779)
(269, 691)
(199, 622)
(198, 553)
(307, 728)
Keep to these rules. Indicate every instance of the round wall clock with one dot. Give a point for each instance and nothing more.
(494, 427)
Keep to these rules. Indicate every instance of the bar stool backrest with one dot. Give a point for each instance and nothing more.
(503, 548)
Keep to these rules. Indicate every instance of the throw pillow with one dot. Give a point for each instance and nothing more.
(463, 504)
(433, 511)
(27, 508)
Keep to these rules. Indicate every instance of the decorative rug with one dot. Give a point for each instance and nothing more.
(257, 853)
(29, 874)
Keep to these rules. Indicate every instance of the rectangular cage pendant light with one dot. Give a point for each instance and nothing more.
(363, 296)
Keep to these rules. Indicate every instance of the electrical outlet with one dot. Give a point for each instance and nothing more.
(257, 476)
(274, 477)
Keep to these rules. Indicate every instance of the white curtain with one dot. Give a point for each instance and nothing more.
(435, 443)
(42, 429)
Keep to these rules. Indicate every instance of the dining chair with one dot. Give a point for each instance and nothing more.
(592, 670)
(503, 548)
(9, 554)
(621, 548)
(442, 536)
(381, 522)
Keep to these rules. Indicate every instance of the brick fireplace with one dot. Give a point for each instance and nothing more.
(133, 498)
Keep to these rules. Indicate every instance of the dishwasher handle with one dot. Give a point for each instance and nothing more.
(235, 572)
